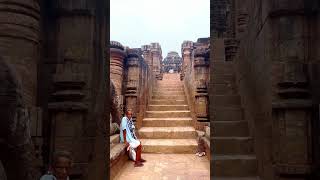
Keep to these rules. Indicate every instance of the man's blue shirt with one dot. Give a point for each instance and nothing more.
(127, 125)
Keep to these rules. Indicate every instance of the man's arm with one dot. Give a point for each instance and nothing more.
(125, 137)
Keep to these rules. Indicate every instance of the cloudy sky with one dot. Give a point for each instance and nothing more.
(138, 22)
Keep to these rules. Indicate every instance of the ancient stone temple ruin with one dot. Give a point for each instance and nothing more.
(254, 83)
(53, 86)
(171, 63)
(170, 112)
(264, 89)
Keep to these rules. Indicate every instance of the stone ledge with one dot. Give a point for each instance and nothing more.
(118, 157)
(116, 151)
(114, 139)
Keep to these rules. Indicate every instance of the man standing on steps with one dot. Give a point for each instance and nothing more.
(128, 136)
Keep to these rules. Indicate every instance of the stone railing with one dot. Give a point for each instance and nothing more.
(195, 76)
(139, 83)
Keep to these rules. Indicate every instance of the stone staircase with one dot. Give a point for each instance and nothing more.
(234, 156)
(167, 127)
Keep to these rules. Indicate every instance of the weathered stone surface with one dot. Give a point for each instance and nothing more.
(117, 65)
(172, 62)
(267, 41)
(17, 151)
(195, 76)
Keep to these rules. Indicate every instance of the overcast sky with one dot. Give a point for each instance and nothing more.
(138, 22)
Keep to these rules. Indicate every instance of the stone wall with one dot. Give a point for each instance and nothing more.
(195, 74)
(276, 65)
(56, 50)
(138, 84)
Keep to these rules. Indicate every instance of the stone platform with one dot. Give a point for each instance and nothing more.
(167, 167)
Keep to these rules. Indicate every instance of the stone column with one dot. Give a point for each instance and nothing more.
(291, 101)
(75, 104)
(117, 56)
(241, 17)
(19, 42)
(219, 23)
(132, 86)
(20, 49)
(156, 59)
(186, 50)
(201, 69)
(146, 51)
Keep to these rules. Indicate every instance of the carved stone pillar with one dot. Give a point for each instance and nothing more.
(292, 124)
(132, 86)
(186, 49)
(146, 51)
(231, 48)
(156, 53)
(201, 69)
(74, 107)
(242, 17)
(19, 47)
(117, 56)
(291, 106)
(19, 42)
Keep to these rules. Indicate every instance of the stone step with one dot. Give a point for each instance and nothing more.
(234, 165)
(228, 114)
(167, 132)
(167, 102)
(186, 146)
(165, 93)
(233, 145)
(115, 138)
(179, 86)
(155, 91)
(226, 100)
(173, 85)
(236, 178)
(169, 85)
(169, 89)
(167, 114)
(166, 82)
(230, 128)
(116, 151)
(166, 122)
(169, 97)
(167, 107)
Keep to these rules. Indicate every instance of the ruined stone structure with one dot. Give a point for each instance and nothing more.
(262, 72)
(153, 55)
(169, 113)
(195, 75)
(53, 84)
(265, 84)
(172, 61)
(133, 73)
